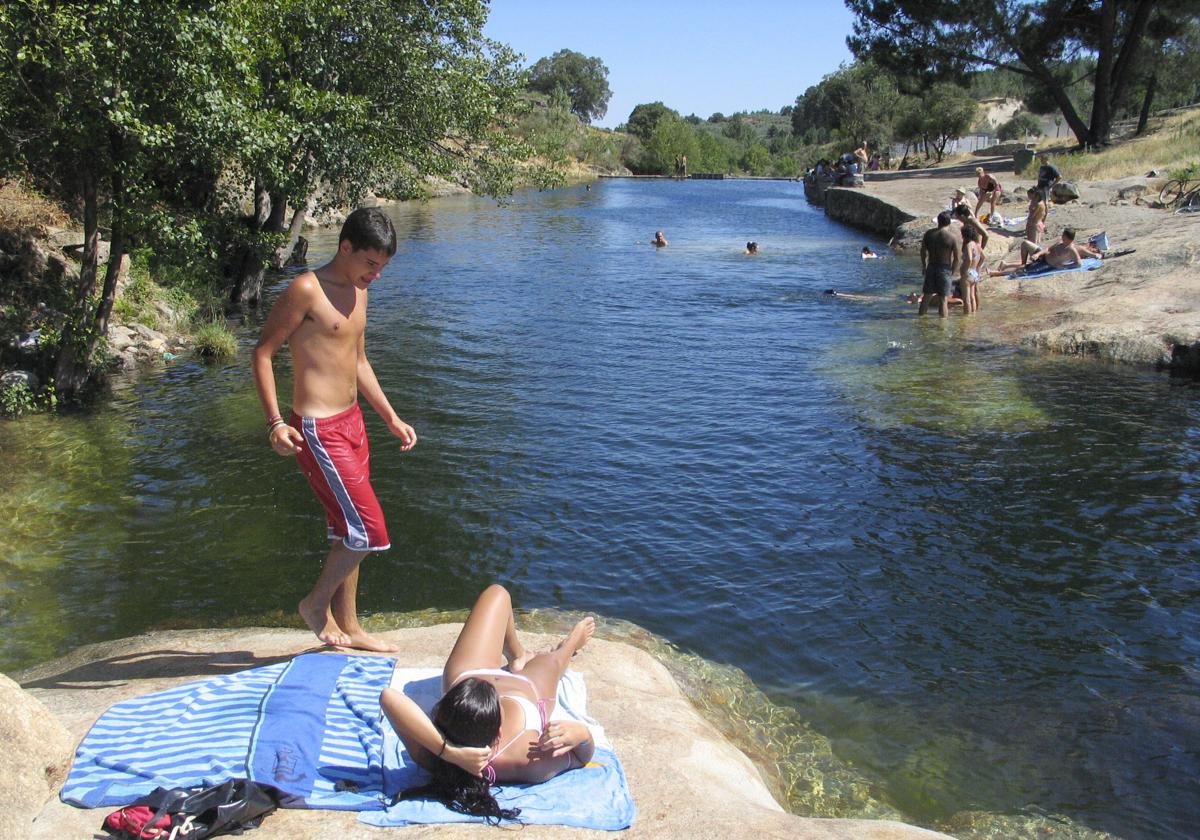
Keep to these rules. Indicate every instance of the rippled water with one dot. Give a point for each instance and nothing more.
(971, 570)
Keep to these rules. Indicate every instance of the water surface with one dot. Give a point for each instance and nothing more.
(971, 570)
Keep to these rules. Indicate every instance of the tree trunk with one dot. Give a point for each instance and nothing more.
(1058, 93)
(284, 251)
(1147, 102)
(1102, 90)
(71, 368)
(248, 277)
(1126, 62)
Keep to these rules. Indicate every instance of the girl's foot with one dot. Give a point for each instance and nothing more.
(516, 664)
(579, 636)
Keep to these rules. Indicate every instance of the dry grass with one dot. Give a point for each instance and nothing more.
(23, 208)
(1172, 142)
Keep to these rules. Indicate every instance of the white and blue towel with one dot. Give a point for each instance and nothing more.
(312, 729)
(596, 796)
(309, 728)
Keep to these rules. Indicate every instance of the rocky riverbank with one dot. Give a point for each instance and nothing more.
(1142, 309)
(687, 779)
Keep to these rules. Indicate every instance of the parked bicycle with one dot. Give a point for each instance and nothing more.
(1181, 193)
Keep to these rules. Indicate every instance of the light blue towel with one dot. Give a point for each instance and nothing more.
(596, 796)
(309, 727)
(1086, 264)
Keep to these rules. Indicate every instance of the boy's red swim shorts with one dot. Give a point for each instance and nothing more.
(335, 458)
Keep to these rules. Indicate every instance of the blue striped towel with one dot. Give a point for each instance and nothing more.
(309, 727)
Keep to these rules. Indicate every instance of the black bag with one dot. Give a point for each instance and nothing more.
(228, 808)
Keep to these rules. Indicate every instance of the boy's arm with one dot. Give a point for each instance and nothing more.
(368, 386)
(286, 316)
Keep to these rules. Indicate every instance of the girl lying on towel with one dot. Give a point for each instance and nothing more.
(492, 725)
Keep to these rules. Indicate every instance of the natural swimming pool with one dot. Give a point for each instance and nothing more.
(971, 569)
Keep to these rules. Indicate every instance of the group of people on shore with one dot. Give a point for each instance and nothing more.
(493, 722)
(953, 262)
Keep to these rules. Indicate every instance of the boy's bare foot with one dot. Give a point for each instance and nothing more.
(321, 622)
(580, 635)
(362, 640)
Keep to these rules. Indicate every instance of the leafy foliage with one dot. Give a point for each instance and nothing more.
(1036, 39)
(644, 118)
(1021, 125)
(584, 79)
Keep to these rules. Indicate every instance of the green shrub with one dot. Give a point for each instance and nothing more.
(214, 342)
(18, 398)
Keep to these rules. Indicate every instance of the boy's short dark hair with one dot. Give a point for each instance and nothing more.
(943, 218)
(1069, 234)
(369, 227)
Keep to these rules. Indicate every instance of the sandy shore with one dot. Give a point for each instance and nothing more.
(1143, 308)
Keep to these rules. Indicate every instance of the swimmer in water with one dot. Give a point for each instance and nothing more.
(659, 241)
(868, 254)
(751, 247)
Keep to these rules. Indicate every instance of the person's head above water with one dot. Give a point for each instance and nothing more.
(751, 247)
(659, 239)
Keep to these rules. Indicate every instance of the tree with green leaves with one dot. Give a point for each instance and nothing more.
(643, 118)
(138, 110)
(1032, 38)
(857, 100)
(1020, 125)
(584, 79)
(345, 96)
(948, 112)
(102, 102)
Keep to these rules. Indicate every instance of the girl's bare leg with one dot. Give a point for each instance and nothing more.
(489, 635)
(546, 669)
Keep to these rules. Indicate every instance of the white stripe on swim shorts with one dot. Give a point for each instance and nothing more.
(356, 531)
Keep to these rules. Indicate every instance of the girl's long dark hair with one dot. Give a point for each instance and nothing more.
(468, 715)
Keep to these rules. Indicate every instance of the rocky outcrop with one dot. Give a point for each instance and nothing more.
(34, 761)
(687, 780)
(862, 209)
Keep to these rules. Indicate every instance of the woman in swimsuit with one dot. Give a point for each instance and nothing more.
(492, 724)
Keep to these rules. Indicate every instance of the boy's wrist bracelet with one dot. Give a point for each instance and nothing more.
(443, 749)
(273, 419)
(273, 427)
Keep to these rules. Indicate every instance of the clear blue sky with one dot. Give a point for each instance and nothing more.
(696, 57)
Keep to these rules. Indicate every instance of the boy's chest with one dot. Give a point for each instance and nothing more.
(338, 320)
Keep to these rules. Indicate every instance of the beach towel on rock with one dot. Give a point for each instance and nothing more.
(1088, 264)
(596, 796)
(308, 727)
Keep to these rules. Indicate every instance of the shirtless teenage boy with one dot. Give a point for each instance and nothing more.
(322, 317)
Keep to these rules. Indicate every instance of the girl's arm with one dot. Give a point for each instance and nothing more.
(423, 740)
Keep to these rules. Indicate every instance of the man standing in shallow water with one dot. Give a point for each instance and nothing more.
(941, 252)
(322, 316)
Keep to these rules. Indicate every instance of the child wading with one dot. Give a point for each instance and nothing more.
(322, 316)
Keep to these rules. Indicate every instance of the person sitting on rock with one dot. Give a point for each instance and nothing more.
(492, 724)
(1062, 254)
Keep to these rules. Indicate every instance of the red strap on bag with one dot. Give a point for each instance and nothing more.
(133, 822)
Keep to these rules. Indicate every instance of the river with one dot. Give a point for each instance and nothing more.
(972, 570)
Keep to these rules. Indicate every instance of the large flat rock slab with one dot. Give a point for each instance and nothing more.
(687, 779)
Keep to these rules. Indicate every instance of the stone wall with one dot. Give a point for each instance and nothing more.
(863, 210)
